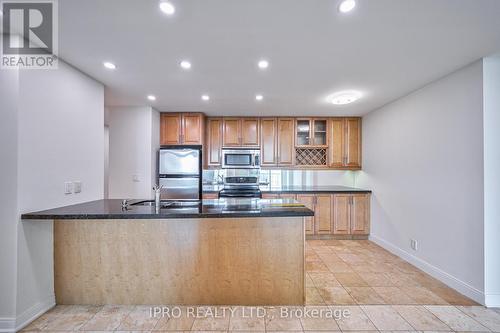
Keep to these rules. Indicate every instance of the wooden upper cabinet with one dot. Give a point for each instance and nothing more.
(360, 214)
(268, 138)
(341, 214)
(241, 132)
(345, 143)
(181, 129)
(170, 128)
(311, 132)
(231, 132)
(213, 153)
(192, 128)
(308, 201)
(323, 214)
(353, 142)
(250, 132)
(286, 147)
(336, 144)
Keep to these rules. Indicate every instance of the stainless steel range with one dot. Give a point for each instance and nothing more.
(241, 187)
(241, 184)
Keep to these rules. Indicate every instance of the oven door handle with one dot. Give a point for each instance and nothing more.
(239, 195)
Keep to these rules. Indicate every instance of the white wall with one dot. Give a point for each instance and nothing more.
(61, 135)
(491, 77)
(8, 195)
(54, 125)
(133, 138)
(423, 158)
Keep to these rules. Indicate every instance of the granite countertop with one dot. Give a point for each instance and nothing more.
(313, 189)
(220, 208)
(295, 189)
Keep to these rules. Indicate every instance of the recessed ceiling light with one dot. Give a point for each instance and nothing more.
(205, 97)
(167, 7)
(259, 97)
(109, 65)
(185, 64)
(344, 97)
(263, 64)
(346, 6)
(152, 97)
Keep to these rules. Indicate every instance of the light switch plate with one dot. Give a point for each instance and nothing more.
(68, 187)
(135, 178)
(77, 186)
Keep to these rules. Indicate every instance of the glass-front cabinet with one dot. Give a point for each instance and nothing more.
(311, 132)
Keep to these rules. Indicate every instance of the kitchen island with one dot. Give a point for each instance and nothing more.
(227, 251)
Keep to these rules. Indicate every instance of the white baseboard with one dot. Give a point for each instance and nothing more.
(7, 324)
(34, 312)
(492, 300)
(435, 272)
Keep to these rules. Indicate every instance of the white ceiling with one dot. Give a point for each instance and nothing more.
(384, 48)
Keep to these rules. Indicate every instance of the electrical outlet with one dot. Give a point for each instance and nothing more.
(68, 187)
(136, 179)
(77, 186)
(414, 244)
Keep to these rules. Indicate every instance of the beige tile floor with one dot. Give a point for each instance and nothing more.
(347, 272)
(379, 291)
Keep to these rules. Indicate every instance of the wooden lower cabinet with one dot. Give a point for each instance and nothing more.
(351, 214)
(360, 214)
(308, 201)
(341, 214)
(334, 214)
(323, 214)
(337, 214)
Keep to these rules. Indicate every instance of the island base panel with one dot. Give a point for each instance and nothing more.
(245, 261)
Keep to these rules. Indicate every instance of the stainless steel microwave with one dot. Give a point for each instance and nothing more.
(240, 158)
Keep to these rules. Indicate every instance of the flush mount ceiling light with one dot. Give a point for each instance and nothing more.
(152, 97)
(346, 6)
(205, 97)
(109, 65)
(263, 64)
(167, 7)
(344, 97)
(259, 97)
(185, 64)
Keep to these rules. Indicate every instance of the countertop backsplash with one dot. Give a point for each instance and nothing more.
(282, 177)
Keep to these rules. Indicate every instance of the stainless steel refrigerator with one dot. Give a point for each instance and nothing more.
(180, 172)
